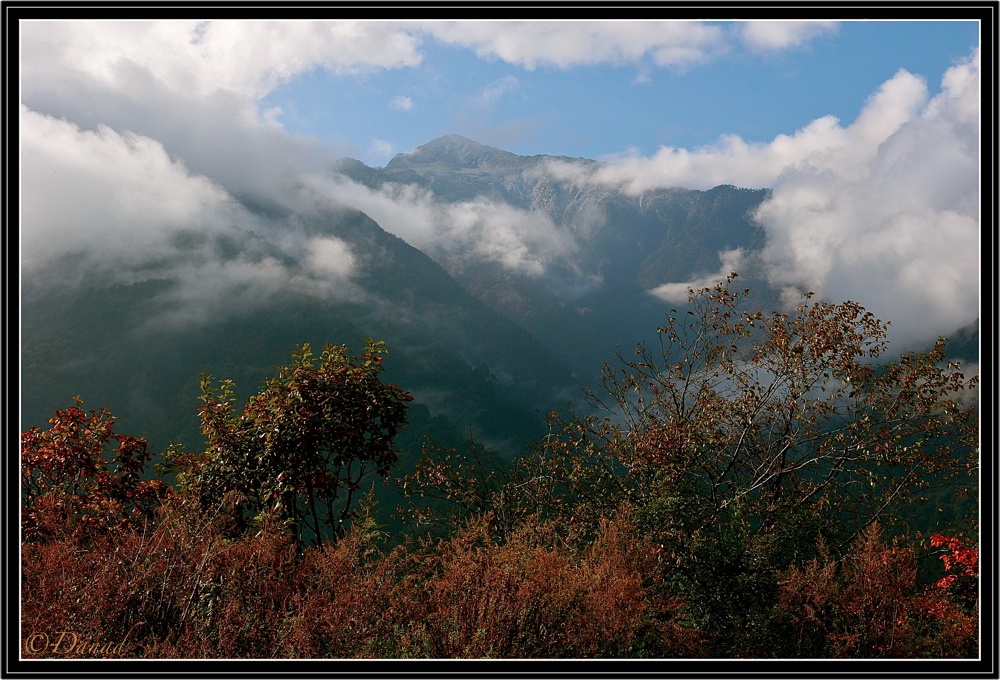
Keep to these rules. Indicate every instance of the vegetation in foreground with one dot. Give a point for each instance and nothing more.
(746, 488)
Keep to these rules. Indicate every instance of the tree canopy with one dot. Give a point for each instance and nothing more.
(302, 446)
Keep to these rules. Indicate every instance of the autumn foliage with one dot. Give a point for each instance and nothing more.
(870, 604)
(735, 492)
(302, 446)
(74, 485)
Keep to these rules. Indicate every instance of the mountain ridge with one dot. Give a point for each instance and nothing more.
(626, 245)
(441, 340)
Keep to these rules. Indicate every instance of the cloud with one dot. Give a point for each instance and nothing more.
(766, 36)
(381, 149)
(119, 195)
(222, 135)
(564, 44)
(896, 225)
(249, 58)
(823, 143)
(492, 93)
(457, 233)
(100, 201)
(884, 211)
(330, 257)
(401, 103)
(148, 162)
(159, 124)
(677, 293)
(252, 58)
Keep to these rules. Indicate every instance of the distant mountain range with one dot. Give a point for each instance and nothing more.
(481, 340)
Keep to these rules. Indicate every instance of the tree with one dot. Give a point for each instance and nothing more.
(742, 437)
(301, 446)
(74, 485)
(772, 416)
(450, 487)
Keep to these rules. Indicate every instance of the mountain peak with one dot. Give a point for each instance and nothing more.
(455, 151)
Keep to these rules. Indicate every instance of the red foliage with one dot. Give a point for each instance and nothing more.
(176, 589)
(537, 596)
(869, 604)
(72, 485)
(959, 559)
(961, 582)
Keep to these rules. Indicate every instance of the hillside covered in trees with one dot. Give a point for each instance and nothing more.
(745, 485)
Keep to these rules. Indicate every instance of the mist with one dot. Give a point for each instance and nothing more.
(118, 205)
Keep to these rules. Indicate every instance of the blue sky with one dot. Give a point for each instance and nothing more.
(868, 134)
(601, 110)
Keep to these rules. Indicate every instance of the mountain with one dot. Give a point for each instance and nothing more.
(482, 342)
(465, 364)
(623, 245)
(963, 344)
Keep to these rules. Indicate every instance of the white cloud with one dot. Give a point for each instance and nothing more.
(167, 133)
(884, 211)
(677, 293)
(118, 204)
(381, 149)
(331, 257)
(492, 93)
(532, 44)
(779, 35)
(117, 195)
(251, 58)
(246, 57)
(401, 103)
(823, 143)
(522, 241)
(896, 225)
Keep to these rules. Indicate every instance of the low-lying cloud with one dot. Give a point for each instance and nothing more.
(457, 233)
(897, 229)
(677, 293)
(117, 204)
(115, 196)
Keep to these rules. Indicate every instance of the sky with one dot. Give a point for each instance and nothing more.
(748, 79)
(868, 133)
